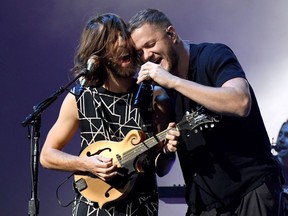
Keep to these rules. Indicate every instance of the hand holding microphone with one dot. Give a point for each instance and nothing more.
(158, 74)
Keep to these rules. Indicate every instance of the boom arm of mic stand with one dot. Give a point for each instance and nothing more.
(47, 102)
(35, 120)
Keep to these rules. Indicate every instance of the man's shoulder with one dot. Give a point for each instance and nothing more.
(208, 46)
(207, 50)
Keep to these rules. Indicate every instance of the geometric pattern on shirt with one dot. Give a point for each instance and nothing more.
(117, 110)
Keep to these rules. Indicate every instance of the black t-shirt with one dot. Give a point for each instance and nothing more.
(223, 163)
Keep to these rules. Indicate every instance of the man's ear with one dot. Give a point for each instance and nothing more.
(171, 32)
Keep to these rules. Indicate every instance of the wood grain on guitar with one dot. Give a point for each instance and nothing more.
(127, 154)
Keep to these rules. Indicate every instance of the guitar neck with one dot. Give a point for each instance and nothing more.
(145, 145)
(189, 121)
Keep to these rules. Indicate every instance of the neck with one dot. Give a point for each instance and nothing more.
(118, 85)
(184, 53)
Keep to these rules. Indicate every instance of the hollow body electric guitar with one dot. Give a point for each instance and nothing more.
(127, 155)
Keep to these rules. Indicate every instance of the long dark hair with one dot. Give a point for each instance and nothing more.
(98, 39)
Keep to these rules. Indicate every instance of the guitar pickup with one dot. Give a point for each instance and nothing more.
(80, 184)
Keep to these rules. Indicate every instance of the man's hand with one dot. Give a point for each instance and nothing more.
(171, 141)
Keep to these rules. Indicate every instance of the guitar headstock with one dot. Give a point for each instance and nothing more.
(196, 119)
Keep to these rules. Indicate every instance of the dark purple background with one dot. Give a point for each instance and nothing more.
(37, 44)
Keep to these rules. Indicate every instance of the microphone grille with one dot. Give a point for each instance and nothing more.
(90, 63)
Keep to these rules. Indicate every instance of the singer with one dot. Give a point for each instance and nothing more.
(104, 112)
(228, 169)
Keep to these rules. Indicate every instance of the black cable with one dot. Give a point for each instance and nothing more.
(57, 192)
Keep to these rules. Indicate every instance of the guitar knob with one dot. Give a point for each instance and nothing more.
(206, 126)
(201, 128)
(196, 131)
(212, 125)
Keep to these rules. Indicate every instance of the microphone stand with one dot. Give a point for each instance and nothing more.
(34, 119)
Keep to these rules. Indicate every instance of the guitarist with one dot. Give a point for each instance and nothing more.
(102, 107)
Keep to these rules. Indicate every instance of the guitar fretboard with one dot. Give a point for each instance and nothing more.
(189, 121)
(143, 146)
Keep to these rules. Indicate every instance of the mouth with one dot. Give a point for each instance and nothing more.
(126, 59)
(156, 60)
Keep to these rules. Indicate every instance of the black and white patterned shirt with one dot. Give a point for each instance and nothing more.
(105, 115)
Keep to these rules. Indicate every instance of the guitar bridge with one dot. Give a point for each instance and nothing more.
(80, 184)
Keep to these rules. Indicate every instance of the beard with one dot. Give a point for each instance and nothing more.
(172, 60)
(123, 72)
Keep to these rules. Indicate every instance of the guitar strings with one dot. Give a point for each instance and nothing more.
(142, 147)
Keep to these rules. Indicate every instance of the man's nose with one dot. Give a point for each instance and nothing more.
(147, 54)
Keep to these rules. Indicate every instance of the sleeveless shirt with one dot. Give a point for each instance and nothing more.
(106, 115)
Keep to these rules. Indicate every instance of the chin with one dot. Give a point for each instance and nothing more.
(127, 74)
(165, 64)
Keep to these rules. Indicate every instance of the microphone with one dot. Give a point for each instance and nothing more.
(91, 63)
(142, 87)
(87, 73)
(90, 66)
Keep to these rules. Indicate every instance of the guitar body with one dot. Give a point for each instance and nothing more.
(102, 192)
